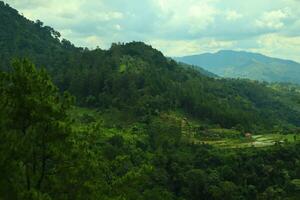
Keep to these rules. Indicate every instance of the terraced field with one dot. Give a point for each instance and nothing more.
(255, 141)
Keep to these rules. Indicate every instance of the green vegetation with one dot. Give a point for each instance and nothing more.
(137, 81)
(255, 141)
(52, 151)
(34, 127)
(142, 126)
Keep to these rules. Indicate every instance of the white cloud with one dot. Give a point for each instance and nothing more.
(177, 27)
(92, 40)
(273, 19)
(184, 47)
(233, 15)
(279, 46)
(200, 16)
(108, 16)
(191, 15)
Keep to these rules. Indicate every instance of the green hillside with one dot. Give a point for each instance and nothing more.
(128, 123)
(138, 80)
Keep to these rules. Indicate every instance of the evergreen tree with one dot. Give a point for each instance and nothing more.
(36, 127)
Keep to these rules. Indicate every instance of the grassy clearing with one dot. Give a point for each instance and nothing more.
(88, 119)
(296, 183)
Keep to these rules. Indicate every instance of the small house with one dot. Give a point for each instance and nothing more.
(248, 135)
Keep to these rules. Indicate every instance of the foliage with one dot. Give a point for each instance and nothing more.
(34, 129)
(135, 139)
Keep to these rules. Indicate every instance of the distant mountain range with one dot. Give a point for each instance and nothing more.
(240, 64)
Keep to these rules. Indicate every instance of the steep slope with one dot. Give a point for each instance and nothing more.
(254, 66)
(200, 69)
(20, 37)
(140, 82)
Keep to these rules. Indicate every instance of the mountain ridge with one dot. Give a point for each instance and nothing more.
(243, 64)
(139, 80)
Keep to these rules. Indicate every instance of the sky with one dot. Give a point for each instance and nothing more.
(175, 27)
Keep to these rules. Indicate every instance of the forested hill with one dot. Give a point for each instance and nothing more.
(240, 64)
(20, 37)
(143, 128)
(139, 81)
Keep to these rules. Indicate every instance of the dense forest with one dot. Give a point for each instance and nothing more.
(129, 123)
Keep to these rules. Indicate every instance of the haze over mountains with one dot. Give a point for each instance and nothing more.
(241, 64)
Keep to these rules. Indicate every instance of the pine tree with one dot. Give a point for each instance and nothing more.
(36, 126)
